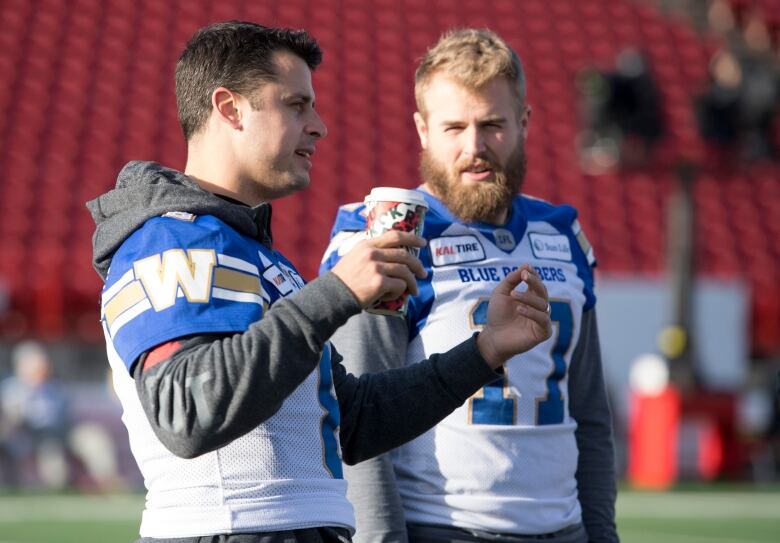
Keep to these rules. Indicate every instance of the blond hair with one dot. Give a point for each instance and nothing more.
(472, 57)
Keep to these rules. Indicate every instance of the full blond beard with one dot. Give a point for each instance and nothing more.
(478, 202)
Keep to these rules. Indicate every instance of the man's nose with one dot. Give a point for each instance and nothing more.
(317, 127)
(473, 142)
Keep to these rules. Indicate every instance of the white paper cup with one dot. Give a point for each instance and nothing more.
(390, 208)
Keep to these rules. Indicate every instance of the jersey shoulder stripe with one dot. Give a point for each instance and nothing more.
(173, 278)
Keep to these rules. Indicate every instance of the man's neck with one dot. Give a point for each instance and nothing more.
(214, 175)
(499, 219)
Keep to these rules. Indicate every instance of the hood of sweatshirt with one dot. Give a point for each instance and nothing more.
(145, 190)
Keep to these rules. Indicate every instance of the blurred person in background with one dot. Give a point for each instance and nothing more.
(717, 108)
(721, 17)
(41, 441)
(238, 410)
(622, 114)
(760, 91)
(34, 420)
(737, 110)
(530, 456)
(634, 107)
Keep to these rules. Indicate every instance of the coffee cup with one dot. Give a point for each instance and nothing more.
(390, 208)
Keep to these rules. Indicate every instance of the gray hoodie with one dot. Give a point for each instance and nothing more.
(147, 189)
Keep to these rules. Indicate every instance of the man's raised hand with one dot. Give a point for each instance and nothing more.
(516, 321)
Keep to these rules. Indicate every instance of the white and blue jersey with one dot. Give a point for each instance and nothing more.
(181, 275)
(505, 461)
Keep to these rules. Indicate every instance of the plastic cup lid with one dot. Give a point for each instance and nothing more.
(392, 194)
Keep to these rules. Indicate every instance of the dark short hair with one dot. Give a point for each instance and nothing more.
(236, 55)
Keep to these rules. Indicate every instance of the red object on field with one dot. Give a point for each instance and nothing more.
(653, 432)
(710, 457)
(722, 452)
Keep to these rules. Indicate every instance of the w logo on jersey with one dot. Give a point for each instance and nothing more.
(163, 275)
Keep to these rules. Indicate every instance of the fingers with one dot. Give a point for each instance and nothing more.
(510, 282)
(396, 238)
(392, 244)
(540, 316)
(524, 274)
(534, 301)
(381, 268)
(531, 299)
(534, 282)
(399, 279)
(402, 256)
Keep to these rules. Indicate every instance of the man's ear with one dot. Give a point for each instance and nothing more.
(226, 106)
(422, 129)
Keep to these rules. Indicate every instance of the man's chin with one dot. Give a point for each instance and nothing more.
(289, 186)
(470, 186)
(302, 181)
(298, 185)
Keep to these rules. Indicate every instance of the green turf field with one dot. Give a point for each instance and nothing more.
(700, 516)
(697, 515)
(69, 518)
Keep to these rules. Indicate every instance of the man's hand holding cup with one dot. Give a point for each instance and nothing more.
(382, 268)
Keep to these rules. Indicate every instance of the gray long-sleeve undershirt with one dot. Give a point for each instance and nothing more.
(588, 405)
(373, 343)
(216, 388)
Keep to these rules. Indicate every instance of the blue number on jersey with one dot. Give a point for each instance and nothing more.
(494, 404)
(494, 407)
(550, 409)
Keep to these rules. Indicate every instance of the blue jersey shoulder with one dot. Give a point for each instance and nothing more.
(347, 228)
(350, 218)
(561, 216)
(164, 233)
(564, 219)
(174, 277)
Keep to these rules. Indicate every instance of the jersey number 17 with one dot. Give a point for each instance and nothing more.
(495, 404)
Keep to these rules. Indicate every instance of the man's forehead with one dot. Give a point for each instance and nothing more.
(292, 74)
(287, 61)
(448, 99)
(452, 99)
